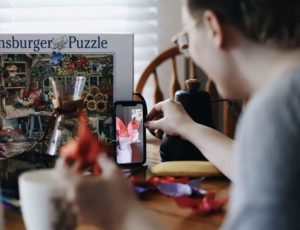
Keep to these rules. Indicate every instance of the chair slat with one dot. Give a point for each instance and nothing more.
(229, 121)
(175, 83)
(158, 95)
(192, 69)
(174, 51)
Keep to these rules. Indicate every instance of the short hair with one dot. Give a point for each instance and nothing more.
(271, 22)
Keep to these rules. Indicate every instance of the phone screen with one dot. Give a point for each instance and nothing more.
(130, 133)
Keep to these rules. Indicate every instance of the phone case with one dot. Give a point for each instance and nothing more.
(130, 134)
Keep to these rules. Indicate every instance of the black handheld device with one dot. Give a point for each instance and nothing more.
(130, 133)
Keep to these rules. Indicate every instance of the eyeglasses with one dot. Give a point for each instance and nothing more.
(182, 40)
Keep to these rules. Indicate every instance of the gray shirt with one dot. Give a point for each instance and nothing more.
(266, 191)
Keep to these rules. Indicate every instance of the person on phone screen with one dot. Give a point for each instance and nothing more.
(133, 130)
(124, 153)
(127, 152)
(250, 49)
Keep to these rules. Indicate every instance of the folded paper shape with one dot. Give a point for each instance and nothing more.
(86, 149)
(206, 205)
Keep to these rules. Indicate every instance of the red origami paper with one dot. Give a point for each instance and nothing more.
(168, 179)
(155, 180)
(206, 205)
(86, 149)
(173, 187)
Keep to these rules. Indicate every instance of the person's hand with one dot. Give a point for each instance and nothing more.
(104, 201)
(167, 117)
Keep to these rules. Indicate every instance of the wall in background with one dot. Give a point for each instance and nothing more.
(169, 21)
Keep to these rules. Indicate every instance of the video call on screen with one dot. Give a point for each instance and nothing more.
(129, 134)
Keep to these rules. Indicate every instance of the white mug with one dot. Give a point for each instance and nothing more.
(43, 201)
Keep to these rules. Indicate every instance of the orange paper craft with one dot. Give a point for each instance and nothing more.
(86, 149)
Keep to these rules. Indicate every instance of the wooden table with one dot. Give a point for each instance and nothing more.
(163, 209)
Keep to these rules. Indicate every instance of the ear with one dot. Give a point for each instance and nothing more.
(214, 28)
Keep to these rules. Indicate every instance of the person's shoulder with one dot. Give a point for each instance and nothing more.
(281, 95)
(277, 105)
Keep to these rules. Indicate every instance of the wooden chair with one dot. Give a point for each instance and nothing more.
(151, 70)
(229, 120)
(231, 110)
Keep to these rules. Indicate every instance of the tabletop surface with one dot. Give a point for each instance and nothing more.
(162, 208)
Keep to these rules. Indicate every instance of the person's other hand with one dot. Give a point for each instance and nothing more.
(103, 201)
(167, 117)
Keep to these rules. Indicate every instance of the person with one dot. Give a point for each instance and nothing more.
(127, 151)
(133, 130)
(249, 48)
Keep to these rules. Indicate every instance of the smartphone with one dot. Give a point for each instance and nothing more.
(130, 133)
